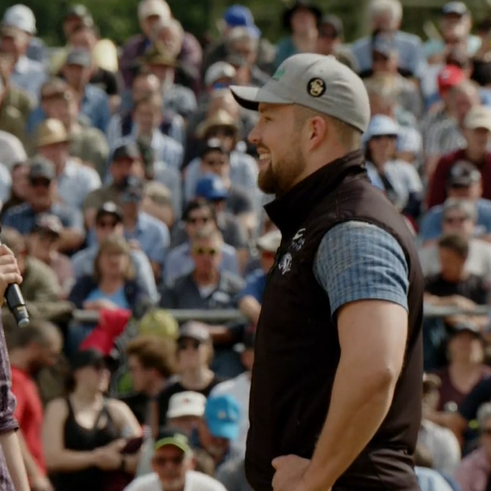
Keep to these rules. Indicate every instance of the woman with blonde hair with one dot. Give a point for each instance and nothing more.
(112, 286)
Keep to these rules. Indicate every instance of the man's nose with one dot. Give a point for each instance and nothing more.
(253, 136)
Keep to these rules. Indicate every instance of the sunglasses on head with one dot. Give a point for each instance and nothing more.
(183, 344)
(162, 461)
(205, 251)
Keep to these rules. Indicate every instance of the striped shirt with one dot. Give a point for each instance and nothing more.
(359, 261)
(444, 137)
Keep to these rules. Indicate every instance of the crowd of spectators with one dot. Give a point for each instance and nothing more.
(128, 192)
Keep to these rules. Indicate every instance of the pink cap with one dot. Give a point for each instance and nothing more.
(449, 77)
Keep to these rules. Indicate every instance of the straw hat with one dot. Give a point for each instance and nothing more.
(220, 118)
(158, 55)
(51, 131)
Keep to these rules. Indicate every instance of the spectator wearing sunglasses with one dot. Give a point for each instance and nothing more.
(173, 466)
(179, 261)
(458, 216)
(194, 356)
(396, 178)
(42, 198)
(109, 221)
(206, 287)
(464, 182)
(330, 41)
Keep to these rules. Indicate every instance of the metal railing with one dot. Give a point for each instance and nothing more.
(231, 315)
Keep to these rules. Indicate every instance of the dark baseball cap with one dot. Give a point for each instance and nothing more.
(194, 330)
(109, 208)
(335, 22)
(464, 174)
(127, 151)
(48, 223)
(41, 167)
(78, 56)
(318, 82)
(88, 358)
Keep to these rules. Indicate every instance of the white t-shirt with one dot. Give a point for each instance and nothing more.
(195, 481)
(238, 387)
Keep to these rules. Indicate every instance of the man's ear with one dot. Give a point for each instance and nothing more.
(316, 131)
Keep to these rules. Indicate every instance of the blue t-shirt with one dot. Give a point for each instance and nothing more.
(360, 261)
(255, 285)
(118, 297)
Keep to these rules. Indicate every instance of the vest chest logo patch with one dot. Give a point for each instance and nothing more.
(285, 263)
(298, 240)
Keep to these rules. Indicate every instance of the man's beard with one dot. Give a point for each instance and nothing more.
(282, 177)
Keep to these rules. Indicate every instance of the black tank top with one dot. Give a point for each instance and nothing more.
(82, 439)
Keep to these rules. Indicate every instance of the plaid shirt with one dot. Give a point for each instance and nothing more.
(7, 407)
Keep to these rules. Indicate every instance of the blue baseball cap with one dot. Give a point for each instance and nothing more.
(211, 188)
(381, 125)
(384, 44)
(241, 16)
(222, 416)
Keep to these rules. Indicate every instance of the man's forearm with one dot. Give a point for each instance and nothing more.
(33, 470)
(359, 403)
(13, 458)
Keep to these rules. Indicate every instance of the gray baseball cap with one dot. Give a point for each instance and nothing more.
(315, 81)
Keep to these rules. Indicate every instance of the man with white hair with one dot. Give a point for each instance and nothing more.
(386, 16)
(241, 42)
(18, 27)
(151, 12)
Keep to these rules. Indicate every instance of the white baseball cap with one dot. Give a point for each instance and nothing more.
(220, 69)
(21, 17)
(147, 8)
(318, 82)
(186, 403)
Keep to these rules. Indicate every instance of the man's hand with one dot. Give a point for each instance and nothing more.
(42, 484)
(290, 472)
(9, 270)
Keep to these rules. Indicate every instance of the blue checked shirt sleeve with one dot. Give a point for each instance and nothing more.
(360, 261)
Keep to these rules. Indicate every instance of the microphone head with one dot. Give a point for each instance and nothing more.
(23, 322)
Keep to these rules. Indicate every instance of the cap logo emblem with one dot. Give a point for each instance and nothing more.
(279, 73)
(316, 87)
(222, 415)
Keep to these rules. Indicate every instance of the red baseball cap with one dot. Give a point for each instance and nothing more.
(449, 77)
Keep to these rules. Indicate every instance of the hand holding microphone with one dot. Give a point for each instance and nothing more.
(10, 279)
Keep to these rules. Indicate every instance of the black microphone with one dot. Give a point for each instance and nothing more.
(16, 304)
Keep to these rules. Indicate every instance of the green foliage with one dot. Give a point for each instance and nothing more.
(117, 19)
